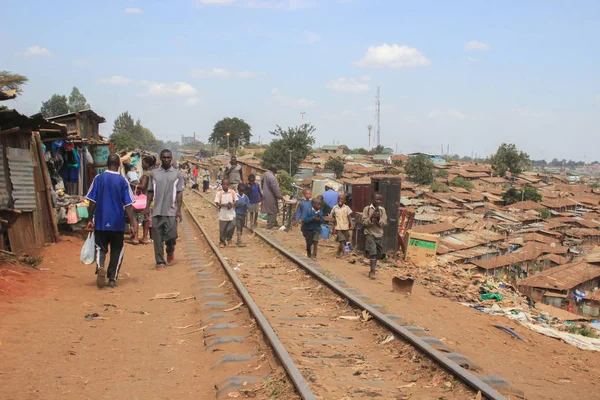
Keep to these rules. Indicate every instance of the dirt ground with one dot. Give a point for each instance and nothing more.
(136, 350)
(542, 367)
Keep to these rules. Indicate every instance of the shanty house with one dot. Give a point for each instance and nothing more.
(84, 123)
(337, 150)
(26, 210)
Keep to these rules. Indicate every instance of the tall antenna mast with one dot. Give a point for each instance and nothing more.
(378, 110)
(369, 128)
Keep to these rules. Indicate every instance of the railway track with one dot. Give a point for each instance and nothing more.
(333, 342)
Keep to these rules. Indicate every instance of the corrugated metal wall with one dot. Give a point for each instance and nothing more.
(20, 164)
(4, 196)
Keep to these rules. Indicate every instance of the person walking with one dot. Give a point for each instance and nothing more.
(271, 193)
(330, 198)
(205, 180)
(110, 200)
(303, 206)
(225, 200)
(147, 163)
(241, 209)
(166, 190)
(374, 220)
(233, 171)
(255, 196)
(342, 215)
(195, 173)
(311, 228)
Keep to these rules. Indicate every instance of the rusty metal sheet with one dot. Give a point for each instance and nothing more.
(20, 164)
(4, 196)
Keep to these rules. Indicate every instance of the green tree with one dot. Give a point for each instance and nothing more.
(420, 169)
(439, 187)
(441, 173)
(379, 149)
(285, 182)
(10, 81)
(544, 213)
(239, 132)
(462, 183)
(508, 158)
(514, 195)
(335, 164)
(77, 101)
(123, 123)
(55, 105)
(294, 142)
(128, 135)
(397, 163)
(360, 150)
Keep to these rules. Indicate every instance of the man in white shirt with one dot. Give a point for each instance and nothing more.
(225, 200)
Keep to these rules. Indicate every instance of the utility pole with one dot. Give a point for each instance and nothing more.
(378, 110)
(302, 113)
(228, 150)
(290, 150)
(369, 128)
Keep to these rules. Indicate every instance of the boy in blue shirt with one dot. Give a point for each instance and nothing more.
(255, 196)
(241, 207)
(110, 199)
(303, 206)
(311, 228)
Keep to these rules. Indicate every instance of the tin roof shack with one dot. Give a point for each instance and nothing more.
(84, 123)
(333, 149)
(26, 211)
(573, 281)
(251, 165)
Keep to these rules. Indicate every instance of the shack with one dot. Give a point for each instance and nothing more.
(26, 209)
(84, 124)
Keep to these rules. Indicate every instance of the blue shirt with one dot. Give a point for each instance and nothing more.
(111, 193)
(308, 221)
(254, 194)
(303, 208)
(241, 205)
(330, 197)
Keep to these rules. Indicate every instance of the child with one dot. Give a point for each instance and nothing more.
(374, 220)
(304, 206)
(341, 214)
(225, 199)
(255, 196)
(241, 207)
(311, 228)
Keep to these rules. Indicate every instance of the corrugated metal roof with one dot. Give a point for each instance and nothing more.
(20, 165)
(4, 197)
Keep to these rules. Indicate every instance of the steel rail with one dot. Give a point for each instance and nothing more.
(468, 378)
(292, 370)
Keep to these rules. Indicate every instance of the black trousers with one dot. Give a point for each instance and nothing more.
(114, 240)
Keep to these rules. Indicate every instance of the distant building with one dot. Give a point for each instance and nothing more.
(382, 158)
(338, 150)
(188, 139)
(438, 160)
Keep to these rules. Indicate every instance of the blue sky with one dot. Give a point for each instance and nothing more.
(471, 74)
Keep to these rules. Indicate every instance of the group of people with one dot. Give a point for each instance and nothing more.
(310, 215)
(112, 197)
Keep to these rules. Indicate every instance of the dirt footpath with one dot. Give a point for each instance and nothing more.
(136, 349)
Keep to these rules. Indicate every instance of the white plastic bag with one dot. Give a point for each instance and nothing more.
(88, 156)
(88, 251)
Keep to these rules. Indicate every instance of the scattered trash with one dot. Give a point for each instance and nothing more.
(237, 268)
(141, 312)
(402, 284)
(506, 329)
(187, 326)
(234, 307)
(349, 318)
(185, 299)
(366, 316)
(408, 385)
(43, 269)
(109, 305)
(491, 296)
(92, 316)
(388, 339)
(171, 370)
(165, 296)
(195, 330)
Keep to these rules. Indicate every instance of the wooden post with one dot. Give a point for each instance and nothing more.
(47, 184)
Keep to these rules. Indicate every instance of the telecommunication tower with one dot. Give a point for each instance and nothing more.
(378, 111)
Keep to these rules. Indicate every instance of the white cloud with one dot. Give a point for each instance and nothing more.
(475, 45)
(221, 73)
(169, 89)
(192, 101)
(471, 59)
(36, 51)
(133, 10)
(394, 56)
(278, 95)
(116, 80)
(448, 114)
(347, 86)
(365, 78)
(311, 37)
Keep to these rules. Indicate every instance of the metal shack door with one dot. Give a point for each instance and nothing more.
(389, 189)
